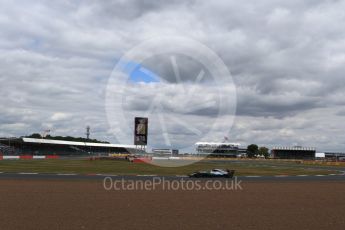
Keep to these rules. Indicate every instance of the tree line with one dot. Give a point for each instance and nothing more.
(67, 138)
(254, 150)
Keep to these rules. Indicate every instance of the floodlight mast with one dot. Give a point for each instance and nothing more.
(45, 133)
(87, 132)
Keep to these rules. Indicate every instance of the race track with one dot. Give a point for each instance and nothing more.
(72, 176)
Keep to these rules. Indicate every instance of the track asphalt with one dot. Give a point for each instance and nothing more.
(71, 176)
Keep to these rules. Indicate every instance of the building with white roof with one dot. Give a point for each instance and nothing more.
(58, 147)
(220, 149)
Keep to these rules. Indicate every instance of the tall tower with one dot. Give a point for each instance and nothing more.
(87, 132)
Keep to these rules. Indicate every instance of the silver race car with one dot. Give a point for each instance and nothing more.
(223, 173)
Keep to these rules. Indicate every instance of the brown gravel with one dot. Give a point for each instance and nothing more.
(54, 204)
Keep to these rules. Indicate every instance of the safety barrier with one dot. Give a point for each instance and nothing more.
(52, 157)
(38, 157)
(28, 157)
(10, 157)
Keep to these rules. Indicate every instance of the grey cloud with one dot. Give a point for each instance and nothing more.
(187, 67)
(286, 58)
(129, 10)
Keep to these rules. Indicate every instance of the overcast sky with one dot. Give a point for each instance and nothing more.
(286, 58)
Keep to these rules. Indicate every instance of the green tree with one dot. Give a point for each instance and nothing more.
(252, 150)
(263, 151)
(67, 138)
(35, 135)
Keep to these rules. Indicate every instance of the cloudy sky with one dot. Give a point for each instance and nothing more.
(286, 58)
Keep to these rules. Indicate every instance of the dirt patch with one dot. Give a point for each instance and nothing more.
(55, 204)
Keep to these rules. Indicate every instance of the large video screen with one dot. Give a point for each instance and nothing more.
(140, 130)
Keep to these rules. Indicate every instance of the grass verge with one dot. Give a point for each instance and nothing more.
(127, 168)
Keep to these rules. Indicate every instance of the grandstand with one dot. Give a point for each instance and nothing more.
(335, 156)
(7, 150)
(296, 152)
(35, 146)
(220, 149)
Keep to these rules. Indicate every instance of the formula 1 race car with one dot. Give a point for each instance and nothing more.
(213, 173)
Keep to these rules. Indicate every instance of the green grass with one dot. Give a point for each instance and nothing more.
(127, 168)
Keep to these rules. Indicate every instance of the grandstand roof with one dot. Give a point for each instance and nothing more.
(294, 148)
(59, 142)
(216, 144)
